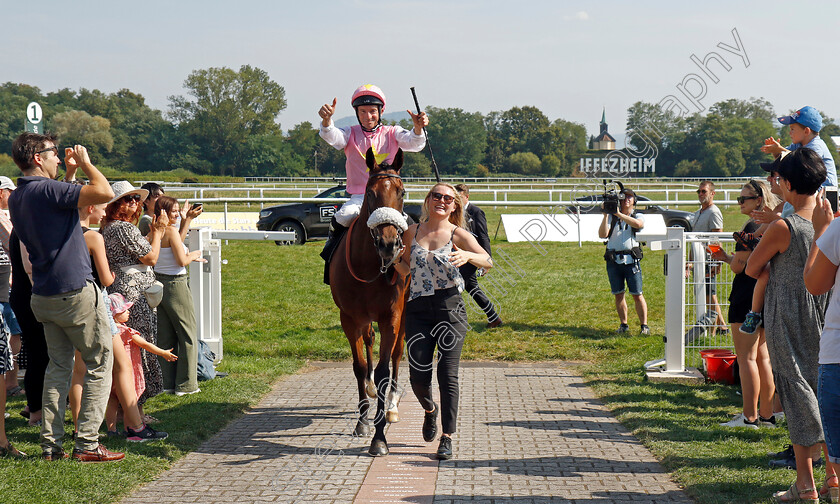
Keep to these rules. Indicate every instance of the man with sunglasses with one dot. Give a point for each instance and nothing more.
(45, 215)
(708, 219)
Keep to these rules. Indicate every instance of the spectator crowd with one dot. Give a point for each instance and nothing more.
(105, 314)
(785, 325)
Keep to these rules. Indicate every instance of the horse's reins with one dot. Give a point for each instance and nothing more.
(383, 267)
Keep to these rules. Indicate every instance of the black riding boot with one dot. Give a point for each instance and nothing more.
(336, 232)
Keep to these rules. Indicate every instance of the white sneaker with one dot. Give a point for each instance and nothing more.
(179, 394)
(740, 420)
(779, 416)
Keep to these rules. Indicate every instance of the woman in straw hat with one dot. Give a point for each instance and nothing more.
(131, 257)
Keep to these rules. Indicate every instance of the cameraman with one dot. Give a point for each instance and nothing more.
(623, 257)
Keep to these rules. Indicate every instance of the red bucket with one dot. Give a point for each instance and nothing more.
(719, 365)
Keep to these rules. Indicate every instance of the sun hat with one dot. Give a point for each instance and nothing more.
(124, 188)
(6, 183)
(118, 303)
(806, 116)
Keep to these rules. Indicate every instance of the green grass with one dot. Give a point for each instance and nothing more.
(277, 315)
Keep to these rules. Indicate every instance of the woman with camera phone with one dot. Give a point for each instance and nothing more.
(753, 360)
(623, 256)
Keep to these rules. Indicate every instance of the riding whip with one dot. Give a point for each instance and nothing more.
(432, 154)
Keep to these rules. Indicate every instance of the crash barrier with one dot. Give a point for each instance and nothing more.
(500, 196)
(473, 181)
(690, 313)
(206, 278)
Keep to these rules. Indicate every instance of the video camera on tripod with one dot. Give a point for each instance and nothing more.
(613, 194)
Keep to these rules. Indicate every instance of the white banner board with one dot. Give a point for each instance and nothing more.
(564, 227)
(239, 221)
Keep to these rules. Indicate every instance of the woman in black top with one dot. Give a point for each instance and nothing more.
(31, 331)
(751, 349)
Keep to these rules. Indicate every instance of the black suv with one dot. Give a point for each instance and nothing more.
(310, 221)
(673, 218)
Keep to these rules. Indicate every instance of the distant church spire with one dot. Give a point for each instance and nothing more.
(604, 120)
(604, 141)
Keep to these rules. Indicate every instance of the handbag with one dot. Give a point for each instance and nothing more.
(154, 294)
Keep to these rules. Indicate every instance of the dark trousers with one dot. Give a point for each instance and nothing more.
(37, 358)
(436, 321)
(471, 286)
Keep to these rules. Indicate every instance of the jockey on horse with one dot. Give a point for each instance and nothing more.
(368, 102)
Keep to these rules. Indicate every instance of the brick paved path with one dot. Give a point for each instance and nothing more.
(526, 433)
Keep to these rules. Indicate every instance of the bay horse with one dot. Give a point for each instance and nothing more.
(367, 289)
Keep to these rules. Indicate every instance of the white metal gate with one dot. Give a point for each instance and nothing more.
(206, 278)
(691, 317)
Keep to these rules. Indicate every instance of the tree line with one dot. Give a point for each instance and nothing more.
(724, 142)
(227, 124)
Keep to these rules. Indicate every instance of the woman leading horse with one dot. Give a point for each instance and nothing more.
(435, 314)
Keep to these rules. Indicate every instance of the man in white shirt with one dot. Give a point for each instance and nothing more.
(708, 219)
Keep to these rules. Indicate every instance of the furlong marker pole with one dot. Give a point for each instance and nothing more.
(432, 154)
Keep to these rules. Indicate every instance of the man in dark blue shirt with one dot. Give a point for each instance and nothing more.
(65, 300)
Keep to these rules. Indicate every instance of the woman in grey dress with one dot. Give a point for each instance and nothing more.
(131, 256)
(794, 317)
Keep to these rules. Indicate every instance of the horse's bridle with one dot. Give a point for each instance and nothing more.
(384, 267)
(380, 175)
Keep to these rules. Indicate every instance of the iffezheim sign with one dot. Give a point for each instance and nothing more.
(617, 166)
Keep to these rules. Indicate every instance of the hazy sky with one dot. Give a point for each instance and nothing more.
(567, 58)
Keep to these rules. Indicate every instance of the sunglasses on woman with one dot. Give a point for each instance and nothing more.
(436, 196)
(742, 199)
(132, 197)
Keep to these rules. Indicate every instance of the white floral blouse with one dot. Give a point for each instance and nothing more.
(431, 270)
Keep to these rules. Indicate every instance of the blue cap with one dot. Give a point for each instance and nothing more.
(806, 116)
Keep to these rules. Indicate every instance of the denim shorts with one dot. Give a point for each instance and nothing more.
(10, 319)
(711, 286)
(828, 396)
(619, 273)
(111, 323)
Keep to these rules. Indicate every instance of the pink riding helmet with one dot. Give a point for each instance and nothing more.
(368, 95)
